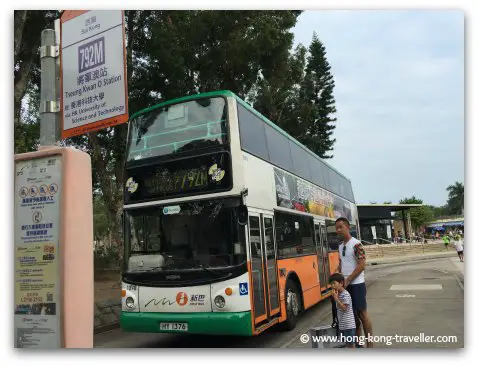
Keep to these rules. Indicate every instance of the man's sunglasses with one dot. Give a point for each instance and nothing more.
(343, 251)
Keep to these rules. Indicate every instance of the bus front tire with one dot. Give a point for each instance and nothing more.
(293, 305)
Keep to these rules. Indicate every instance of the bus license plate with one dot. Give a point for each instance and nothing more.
(181, 327)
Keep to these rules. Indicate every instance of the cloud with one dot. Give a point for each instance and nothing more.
(430, 68)
(399, 97)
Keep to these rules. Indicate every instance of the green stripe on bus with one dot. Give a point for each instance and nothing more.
(198, 323)
(225, 93)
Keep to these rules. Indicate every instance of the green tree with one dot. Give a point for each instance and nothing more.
(277, 95)
(440, 211)
(298, 97)
(419, 216)
(176, 53)
(456, 198)
(317, 102)
(101, 221)
(28, 25)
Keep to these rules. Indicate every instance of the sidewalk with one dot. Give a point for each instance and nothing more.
(411, 258)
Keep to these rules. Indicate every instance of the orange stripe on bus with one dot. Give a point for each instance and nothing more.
(261, 318)
(251, 296)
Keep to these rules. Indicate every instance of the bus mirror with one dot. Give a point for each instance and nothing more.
(242, 215)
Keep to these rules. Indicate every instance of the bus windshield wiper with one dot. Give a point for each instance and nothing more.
(154, 269)
(212, 271)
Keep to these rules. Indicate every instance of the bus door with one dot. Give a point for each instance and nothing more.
(323, 234)
(322, 255)
(263, 266)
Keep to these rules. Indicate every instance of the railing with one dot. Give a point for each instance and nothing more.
(412, 239)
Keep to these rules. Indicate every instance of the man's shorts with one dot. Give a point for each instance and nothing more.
(358, 293)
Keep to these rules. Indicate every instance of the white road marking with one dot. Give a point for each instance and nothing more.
(415, 287)
(404, 295)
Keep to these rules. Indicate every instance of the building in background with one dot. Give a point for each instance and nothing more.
(445, 225)
(378, 224)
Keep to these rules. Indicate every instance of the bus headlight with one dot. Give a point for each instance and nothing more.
(219, 301)
(129, 302)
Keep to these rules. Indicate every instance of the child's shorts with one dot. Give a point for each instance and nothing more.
(348, 335)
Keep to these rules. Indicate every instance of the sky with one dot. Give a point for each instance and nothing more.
(399, 93)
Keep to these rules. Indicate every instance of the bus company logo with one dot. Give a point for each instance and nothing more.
(164, 301)
(216, 173)
(181, 298)
(131, 185)
(197, 299)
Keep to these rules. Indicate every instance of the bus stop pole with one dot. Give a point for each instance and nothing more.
(50, 87)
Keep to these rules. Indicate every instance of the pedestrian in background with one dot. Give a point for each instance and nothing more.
(459, 246)
(446, 240)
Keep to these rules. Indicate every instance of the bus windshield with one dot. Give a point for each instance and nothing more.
(187, 236)
(177, 128)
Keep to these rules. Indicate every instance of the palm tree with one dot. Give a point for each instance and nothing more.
(456, 198)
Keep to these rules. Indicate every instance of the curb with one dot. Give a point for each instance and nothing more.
(379, 261)
(106, 328)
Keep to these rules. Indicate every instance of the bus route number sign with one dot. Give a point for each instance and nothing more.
(91, 55)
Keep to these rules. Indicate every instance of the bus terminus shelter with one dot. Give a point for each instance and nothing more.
(379, 225)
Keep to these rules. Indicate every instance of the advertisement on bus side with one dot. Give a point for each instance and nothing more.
(300, 195)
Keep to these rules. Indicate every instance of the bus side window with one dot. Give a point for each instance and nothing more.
(332, 238)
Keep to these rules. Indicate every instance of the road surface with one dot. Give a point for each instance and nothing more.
(403, 298)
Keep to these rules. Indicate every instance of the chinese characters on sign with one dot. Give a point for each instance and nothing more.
(94, 92)
(37, 293)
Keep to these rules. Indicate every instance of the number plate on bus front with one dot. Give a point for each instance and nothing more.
(181, 327)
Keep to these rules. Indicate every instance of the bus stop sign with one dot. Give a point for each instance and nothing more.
(93, 71)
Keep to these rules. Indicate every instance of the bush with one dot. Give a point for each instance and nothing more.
(107, 258)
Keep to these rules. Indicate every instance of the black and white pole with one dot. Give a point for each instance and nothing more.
(50, 87)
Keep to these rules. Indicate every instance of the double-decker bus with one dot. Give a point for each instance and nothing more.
(229, 221)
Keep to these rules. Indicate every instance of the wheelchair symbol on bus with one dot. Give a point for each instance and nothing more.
(243, 288)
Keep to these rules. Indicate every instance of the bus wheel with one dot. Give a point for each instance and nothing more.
(292, 305)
